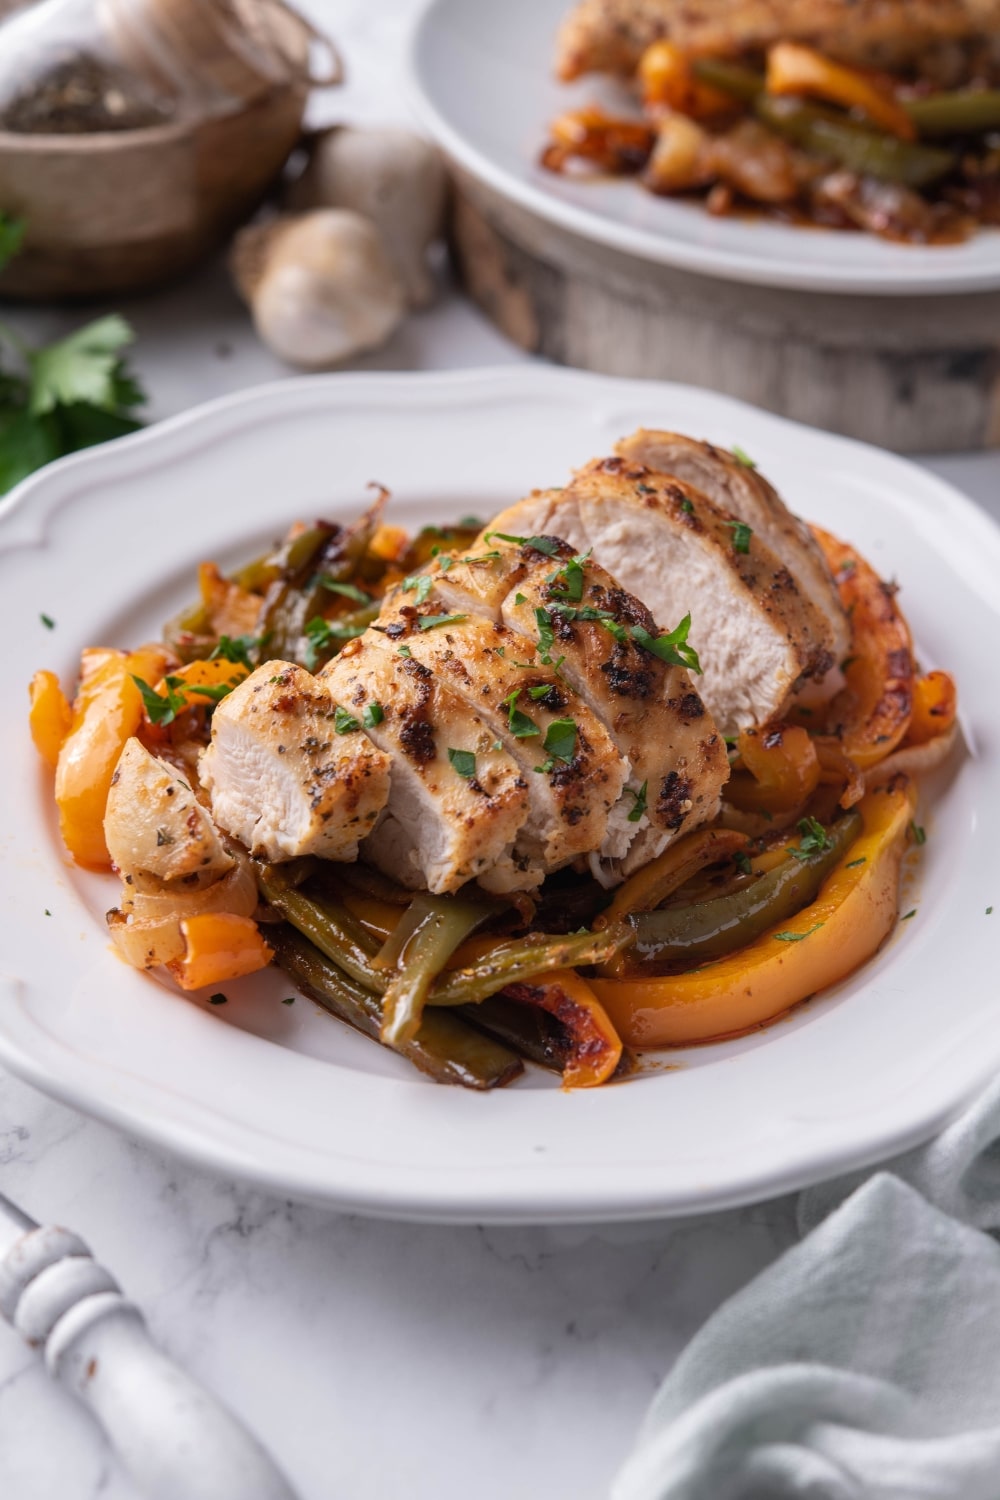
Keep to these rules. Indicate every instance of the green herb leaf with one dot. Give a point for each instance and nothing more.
(639, 803)
(237, 649)
(541, 691)
(855, 862)
(431, 622)
(464, 763)
(290, 1000)
(672, 646)
(373, 714)
(520, 726)
(471, 523)
(918, 834)
(686, 506)
(546, 638)
(814, 839)
(544, 768)
(796, 937)
(547, 545)
(741, 535)
(742, 862)
(348, 590)
(908, 915)
(160, 710)
(86, 366)
(560, 739)
(343, 722)
(520, 599)
(420, 584)
(48, 622)
(11, 236)
(742, 457)
(404, 651)
(321, 634)
(568, 581)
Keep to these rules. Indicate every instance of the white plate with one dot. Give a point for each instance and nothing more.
(107, 543)
(482, 79)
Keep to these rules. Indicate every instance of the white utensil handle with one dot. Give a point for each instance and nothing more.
(175, 1438)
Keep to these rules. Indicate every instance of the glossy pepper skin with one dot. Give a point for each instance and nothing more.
(854, 912)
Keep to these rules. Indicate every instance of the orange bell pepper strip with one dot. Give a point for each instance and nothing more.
(218, 947)
(794, 69)
(935, 706)
(654, 882)
(107, 711)
(50, 717)
(829, 939)
(669, 82)
(784, 765)
(873, 713)
(595, 1046)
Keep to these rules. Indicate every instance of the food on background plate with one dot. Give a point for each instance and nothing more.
(631, 765)
(865, 115)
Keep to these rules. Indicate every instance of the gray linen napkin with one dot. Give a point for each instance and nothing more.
(865, 1363)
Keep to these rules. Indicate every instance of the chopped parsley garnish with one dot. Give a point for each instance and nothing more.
(471, 562)
(520, 726)
(568, 582)
(520, 599)
(989, 911)
(544, 768)
(470, 523)
(420, 584)
(918, 834)
(671, 647)
(546, 638)
(741, 535)
(547, 545)
(289, 1000)
(48, 622)
(373, 714)
(742, 862)
(908, 915)
(214, 692)
(855, 862)
(160, 709)
(219, 999)
(464, 762)
(321, 633)
(540, 691)
(560, 739)
(796, 937)
(343, 722)
(686, 506)
(639, 803)
(497, 745)
(615, 629)
(237, 649)
(742, 457)
(446, 559)
(349, 590)
(431, 622)
(814, 839)
(404, 651)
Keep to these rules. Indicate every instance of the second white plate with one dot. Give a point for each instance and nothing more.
(107, 543)
(482, 80)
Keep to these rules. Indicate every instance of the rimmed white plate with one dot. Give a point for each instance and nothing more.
(482, 80)
(106, 543)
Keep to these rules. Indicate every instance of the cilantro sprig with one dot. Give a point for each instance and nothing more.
(814, 840)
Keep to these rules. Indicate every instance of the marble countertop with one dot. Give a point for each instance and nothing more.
(490, 1351)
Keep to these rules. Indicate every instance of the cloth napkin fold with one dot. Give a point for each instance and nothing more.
(862, 1365)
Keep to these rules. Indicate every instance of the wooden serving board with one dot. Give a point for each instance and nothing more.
(916, 374)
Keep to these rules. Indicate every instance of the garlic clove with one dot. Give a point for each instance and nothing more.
(320, 286)
(396, 179)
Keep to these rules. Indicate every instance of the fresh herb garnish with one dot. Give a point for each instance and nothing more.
(741, 535)
(431, 622)
(639, 803)
(404, 651)
(546, 638)
(547, 545)
(343, 722)
(213, 692)
(320, 634)
(814, 839)
(742, 457)
(473, 562)
(560, 739)
(671, 647)
(918, 834)
(290, 1000)
(48, 622)
(855, 862)
(519, 598)
(908, 915)
(373, 714)
(796, 937)
(237, 649)
(686, 506)
(742, 862)
(520, 726)
(470, 523)
(420, 584)
(567, 582)
(464, 762)
(348, 590)
(160, 709)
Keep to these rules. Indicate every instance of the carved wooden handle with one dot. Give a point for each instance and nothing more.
(175, 1438)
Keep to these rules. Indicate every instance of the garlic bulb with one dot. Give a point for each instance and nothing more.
(320, 286)
(392, 176)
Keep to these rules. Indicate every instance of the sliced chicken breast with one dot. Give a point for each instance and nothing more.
(158, 833)
(284, 774)
(574, 613)
(666, 543)
(441, 826)
(741, 490)
(573, 773)
(610, 36)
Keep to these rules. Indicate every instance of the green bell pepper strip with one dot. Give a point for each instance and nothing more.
(962, 112)
(823, 133)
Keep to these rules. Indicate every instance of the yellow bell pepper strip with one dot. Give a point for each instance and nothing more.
(853, 914)
(594, 1047)
(784, 765)
(106, 712)
(794, 69)
(219, 946)
(653, 883)
(50, 717)
(670, 82)
(873, 713)
(935, 705)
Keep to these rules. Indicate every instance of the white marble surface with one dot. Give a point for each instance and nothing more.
(377, 1361)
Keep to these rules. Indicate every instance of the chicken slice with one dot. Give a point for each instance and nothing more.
(574, 779)
(158, 833)
(611, 35)
(739, 488)
(441, 827)
(284, 775)
(666, 543)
